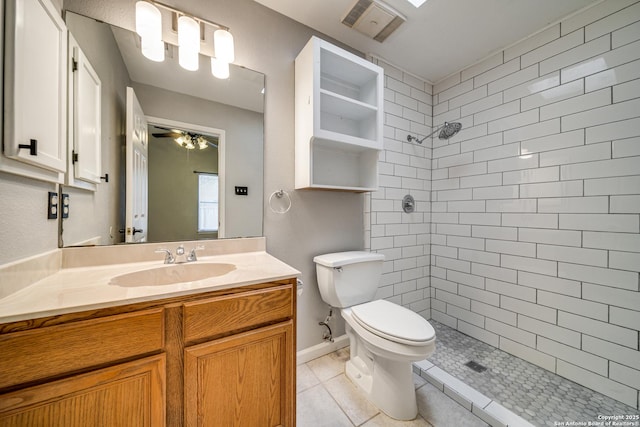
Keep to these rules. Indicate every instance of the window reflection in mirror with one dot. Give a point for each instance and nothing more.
(167, 92)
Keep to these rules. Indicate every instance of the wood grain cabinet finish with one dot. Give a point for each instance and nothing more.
(221, 358)
(129, 394)
(47, 352)
(242, 380)
(222, 315)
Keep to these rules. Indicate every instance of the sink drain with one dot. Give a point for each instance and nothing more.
(475, 366)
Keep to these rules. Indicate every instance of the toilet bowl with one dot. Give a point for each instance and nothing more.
(385, 338)
(380, 363)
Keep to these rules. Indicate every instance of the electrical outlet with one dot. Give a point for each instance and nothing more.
(52, 205)
(242, 191)
(65, 206)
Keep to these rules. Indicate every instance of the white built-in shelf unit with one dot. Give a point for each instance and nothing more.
(338, 119)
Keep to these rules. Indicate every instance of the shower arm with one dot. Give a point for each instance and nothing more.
(419, 141)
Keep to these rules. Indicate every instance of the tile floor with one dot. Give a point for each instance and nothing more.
(327, 398)
(510, 389)
(533, 393)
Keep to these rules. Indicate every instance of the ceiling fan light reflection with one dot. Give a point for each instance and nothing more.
(148, 21)
(223, 45)
(219, 69)
(152, 49)
(189, 43)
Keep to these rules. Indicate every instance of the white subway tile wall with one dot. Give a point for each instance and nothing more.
(550, 269)
(405, 168)
(527, 229)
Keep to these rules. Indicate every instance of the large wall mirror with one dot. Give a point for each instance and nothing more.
(189, 190)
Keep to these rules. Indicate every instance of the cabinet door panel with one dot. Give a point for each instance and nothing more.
(243, 380)
(130, 394)
(36, 83)
(85, 119)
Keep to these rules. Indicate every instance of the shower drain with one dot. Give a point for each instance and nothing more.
(476, 366)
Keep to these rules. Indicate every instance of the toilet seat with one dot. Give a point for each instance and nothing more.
(393, 322)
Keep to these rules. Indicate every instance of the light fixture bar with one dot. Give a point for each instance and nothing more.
(180, 12)
(191, 34)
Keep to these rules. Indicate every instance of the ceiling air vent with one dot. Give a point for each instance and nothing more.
(373, 19)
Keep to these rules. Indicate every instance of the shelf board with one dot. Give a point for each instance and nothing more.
(344, 106)
(339, 188)
(341, 142)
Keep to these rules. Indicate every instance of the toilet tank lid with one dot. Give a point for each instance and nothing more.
(338, 259)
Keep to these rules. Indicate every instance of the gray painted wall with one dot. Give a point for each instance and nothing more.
(318, 221)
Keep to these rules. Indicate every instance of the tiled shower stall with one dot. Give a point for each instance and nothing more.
(526, 234)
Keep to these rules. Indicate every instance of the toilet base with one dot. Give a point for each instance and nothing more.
(389, 385)
(381, 368)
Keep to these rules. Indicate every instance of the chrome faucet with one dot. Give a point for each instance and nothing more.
(168, 258)
(180, 252)
(192, 255)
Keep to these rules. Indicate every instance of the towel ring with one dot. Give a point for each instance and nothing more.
(280, 194)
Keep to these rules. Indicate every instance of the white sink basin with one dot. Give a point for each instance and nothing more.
(171, 274)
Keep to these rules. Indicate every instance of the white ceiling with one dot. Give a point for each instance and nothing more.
(442, 36)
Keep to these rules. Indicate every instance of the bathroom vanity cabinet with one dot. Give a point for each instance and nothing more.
(338, 119)
(222, 358)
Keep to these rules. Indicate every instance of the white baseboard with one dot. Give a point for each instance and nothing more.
(319, 350)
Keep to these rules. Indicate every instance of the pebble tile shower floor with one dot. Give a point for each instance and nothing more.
(535, 394)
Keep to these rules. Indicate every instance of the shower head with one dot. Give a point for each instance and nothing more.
(447, 130)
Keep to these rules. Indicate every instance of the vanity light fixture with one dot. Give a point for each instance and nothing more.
(149, 28)
(188, 43)
(152, 49)
(219, 69)
(191, 32)
(223, 46)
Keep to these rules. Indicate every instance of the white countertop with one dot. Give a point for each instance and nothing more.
(85, 288)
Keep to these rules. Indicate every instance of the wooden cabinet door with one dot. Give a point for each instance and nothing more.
(129, 394)
(242, 380)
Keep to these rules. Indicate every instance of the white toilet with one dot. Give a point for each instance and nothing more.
(385, 338)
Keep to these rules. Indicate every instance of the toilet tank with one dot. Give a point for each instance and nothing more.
(346, 279)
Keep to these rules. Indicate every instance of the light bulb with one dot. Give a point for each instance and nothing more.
(219, 69)
(152, 49)
(189, 43)
(223, 45)
(202, 143)
(180, 140)
(148, 21)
